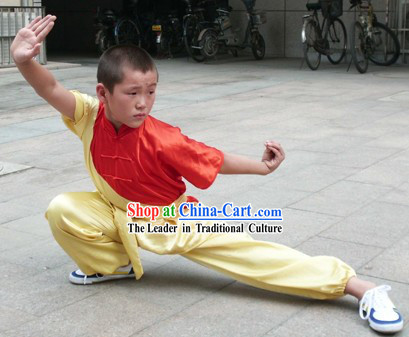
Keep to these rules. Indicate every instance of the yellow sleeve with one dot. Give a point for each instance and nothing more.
(86, 109)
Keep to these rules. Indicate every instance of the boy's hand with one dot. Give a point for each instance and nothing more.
(273, 155)
(27, 42)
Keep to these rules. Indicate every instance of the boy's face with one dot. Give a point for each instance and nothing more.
(131, 100)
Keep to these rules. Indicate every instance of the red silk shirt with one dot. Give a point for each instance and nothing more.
(147, 164)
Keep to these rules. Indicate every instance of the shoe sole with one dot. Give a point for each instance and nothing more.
(80, 281)
(386, 328)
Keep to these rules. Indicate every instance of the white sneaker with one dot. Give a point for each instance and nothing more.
(78, 277)
(376, 307)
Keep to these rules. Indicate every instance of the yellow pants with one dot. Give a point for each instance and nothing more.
(83, 225)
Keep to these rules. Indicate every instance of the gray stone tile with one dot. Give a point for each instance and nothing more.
(237, 310)
(12, 210)
(360, 157)
(397, 139)
(380, 173)
(178, 284)
(41, 254)
(7, 168)
(10, 241)
(35, 225)
(336, 144)
(45, 293)
(48, 124)
(12, 273)
(399, 195)
(10, 319)
(342, 198)
(391, 264)
(339, 318)
(376, 224)
(88, 314)
(316, 177)
(355, 255)
(299, 226)
(15, 116)
(11, 133)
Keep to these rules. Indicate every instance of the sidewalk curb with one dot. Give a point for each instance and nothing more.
(49, 66)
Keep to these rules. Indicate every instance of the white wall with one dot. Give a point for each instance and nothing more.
(10, 3)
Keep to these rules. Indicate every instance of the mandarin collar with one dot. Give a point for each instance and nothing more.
(123, 129)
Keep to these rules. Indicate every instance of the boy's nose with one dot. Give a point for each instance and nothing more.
(141, 104)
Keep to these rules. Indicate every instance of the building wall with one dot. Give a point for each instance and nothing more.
(282, 32)
(75, 31)
(10, 3)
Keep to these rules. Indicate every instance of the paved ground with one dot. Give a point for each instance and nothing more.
(344, 190)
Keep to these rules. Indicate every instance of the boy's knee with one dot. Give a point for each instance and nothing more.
(58, 208)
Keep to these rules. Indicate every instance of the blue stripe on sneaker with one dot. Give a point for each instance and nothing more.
(373, 319)
(74, 273)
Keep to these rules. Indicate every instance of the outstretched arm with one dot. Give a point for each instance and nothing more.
(272, 157)
(25, 47)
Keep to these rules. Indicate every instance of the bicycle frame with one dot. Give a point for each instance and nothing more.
(314, 16)
(250, 28)
(366, 17)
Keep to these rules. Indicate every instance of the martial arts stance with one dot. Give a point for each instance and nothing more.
(132, 156)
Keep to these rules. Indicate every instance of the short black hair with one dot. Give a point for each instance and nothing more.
(113, 60)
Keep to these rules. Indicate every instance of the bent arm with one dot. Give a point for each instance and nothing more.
(46, 86)
(272, 158)
(26, 45)
(235, 164)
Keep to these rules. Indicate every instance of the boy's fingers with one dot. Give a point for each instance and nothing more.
(36, 50)
(39, 26)
(277, 152)
(272, 143)
(44, 25)
(44, 33)
(33, 22)
(276, 146)
(39, 22)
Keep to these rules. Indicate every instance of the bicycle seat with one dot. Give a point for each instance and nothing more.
(222, 11)
(314, 6)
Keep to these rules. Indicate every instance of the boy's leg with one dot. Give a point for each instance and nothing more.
(273, 266)
(82, 223)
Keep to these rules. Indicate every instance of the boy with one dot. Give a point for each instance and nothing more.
(133, 157)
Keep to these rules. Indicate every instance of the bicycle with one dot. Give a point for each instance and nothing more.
(371, 40)
(168, 29)
(127, 30)
(105, 22)
(222, 33)
(328, 38)
(193, 23)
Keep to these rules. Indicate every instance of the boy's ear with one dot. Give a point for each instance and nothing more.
(102, 92)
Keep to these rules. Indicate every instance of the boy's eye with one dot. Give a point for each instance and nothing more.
(151, 92)
(132, 93)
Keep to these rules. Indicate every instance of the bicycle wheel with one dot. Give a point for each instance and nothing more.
(258, 46)
(310, 34)
(359, 50)
(385, 45)
(104, 42)
(209, 45)
(126, 31)
(191, 31)
(337, 39)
